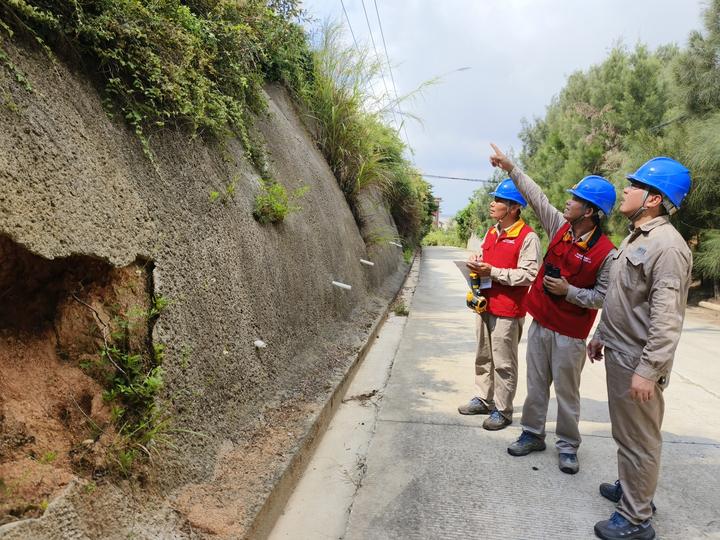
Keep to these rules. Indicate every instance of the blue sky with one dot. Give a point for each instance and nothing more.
(520, 53)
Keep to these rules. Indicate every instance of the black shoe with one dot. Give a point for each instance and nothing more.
(613, 492)
(568, 463)
(619, 528)
(475, 406)
(528, 442)
(496, 421)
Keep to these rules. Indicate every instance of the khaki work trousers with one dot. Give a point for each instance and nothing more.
(636, 430)
(554, 358)
(496, 360)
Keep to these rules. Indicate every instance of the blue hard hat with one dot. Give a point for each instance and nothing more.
(596, 190)
(507, 190)
(669, 177)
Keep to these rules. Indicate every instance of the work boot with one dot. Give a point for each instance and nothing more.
(568, 463)
(496, 421)
(475, 406)
(613, 492)
(619, 528)
(528, 442)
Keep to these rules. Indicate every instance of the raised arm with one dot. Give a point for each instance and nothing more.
(550, 218)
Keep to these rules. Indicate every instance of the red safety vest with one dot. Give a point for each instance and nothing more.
(579, 263)
(503, 251)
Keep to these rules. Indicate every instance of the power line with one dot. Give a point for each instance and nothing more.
(349, 25)
(483, 180)
(392, 78)
(672, 120)
(372, 39)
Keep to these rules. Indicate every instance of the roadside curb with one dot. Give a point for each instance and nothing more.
(709, 305)
(267, 516)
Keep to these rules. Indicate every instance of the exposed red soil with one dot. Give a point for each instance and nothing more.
(220, 508)
(54, 423)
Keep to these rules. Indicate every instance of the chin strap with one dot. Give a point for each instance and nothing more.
(639, 212)
(507, 212)
(578, 219)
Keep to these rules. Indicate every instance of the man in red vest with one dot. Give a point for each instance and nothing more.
(563, 302)
(508, 263)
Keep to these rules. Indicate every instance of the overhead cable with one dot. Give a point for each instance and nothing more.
(482, 180)
(392, 78)
(382, 72)
(349, 25)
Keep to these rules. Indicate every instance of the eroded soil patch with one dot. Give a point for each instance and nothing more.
(55, 318)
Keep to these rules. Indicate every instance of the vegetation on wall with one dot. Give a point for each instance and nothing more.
(274, 203)
(353, 133)
(200, 65)
(130, 371)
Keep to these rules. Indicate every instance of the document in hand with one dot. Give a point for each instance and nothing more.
(485, 282)
(465, 271)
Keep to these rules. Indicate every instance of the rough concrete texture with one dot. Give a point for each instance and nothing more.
(378, 229)
(321, 501)
(433, 473)
(73, 181)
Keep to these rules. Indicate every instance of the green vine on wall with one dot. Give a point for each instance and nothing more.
(199, 65)
(130, 370)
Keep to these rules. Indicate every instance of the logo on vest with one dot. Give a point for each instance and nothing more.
(583, 258)
(508, 241)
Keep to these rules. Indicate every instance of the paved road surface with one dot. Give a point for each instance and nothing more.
(425, 471)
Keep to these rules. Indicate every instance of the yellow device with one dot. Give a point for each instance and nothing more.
(474, 300)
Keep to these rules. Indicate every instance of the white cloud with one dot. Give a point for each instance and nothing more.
(520, 52)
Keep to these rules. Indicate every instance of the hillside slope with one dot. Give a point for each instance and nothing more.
(82, 211)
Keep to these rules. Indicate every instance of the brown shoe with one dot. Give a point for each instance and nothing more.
(475, 406)
(496, 421)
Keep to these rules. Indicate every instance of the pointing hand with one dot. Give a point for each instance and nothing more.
(498, 159)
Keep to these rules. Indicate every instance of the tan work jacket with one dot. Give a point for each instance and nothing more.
(646, 297)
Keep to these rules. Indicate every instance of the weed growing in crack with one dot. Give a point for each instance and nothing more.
(408, 255)
(130, 370)
(48, 457)
(400, 309)
(226, 195)
(274, 203)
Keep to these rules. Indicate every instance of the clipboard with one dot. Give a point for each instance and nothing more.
(485, 283)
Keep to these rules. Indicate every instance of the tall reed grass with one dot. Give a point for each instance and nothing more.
(354, 133)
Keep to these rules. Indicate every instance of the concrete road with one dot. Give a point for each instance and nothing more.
(428, 472)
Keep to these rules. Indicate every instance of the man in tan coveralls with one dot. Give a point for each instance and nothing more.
(509, 260)
(640, 328)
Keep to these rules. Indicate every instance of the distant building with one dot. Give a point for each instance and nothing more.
(436, 213)
(445, 221)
